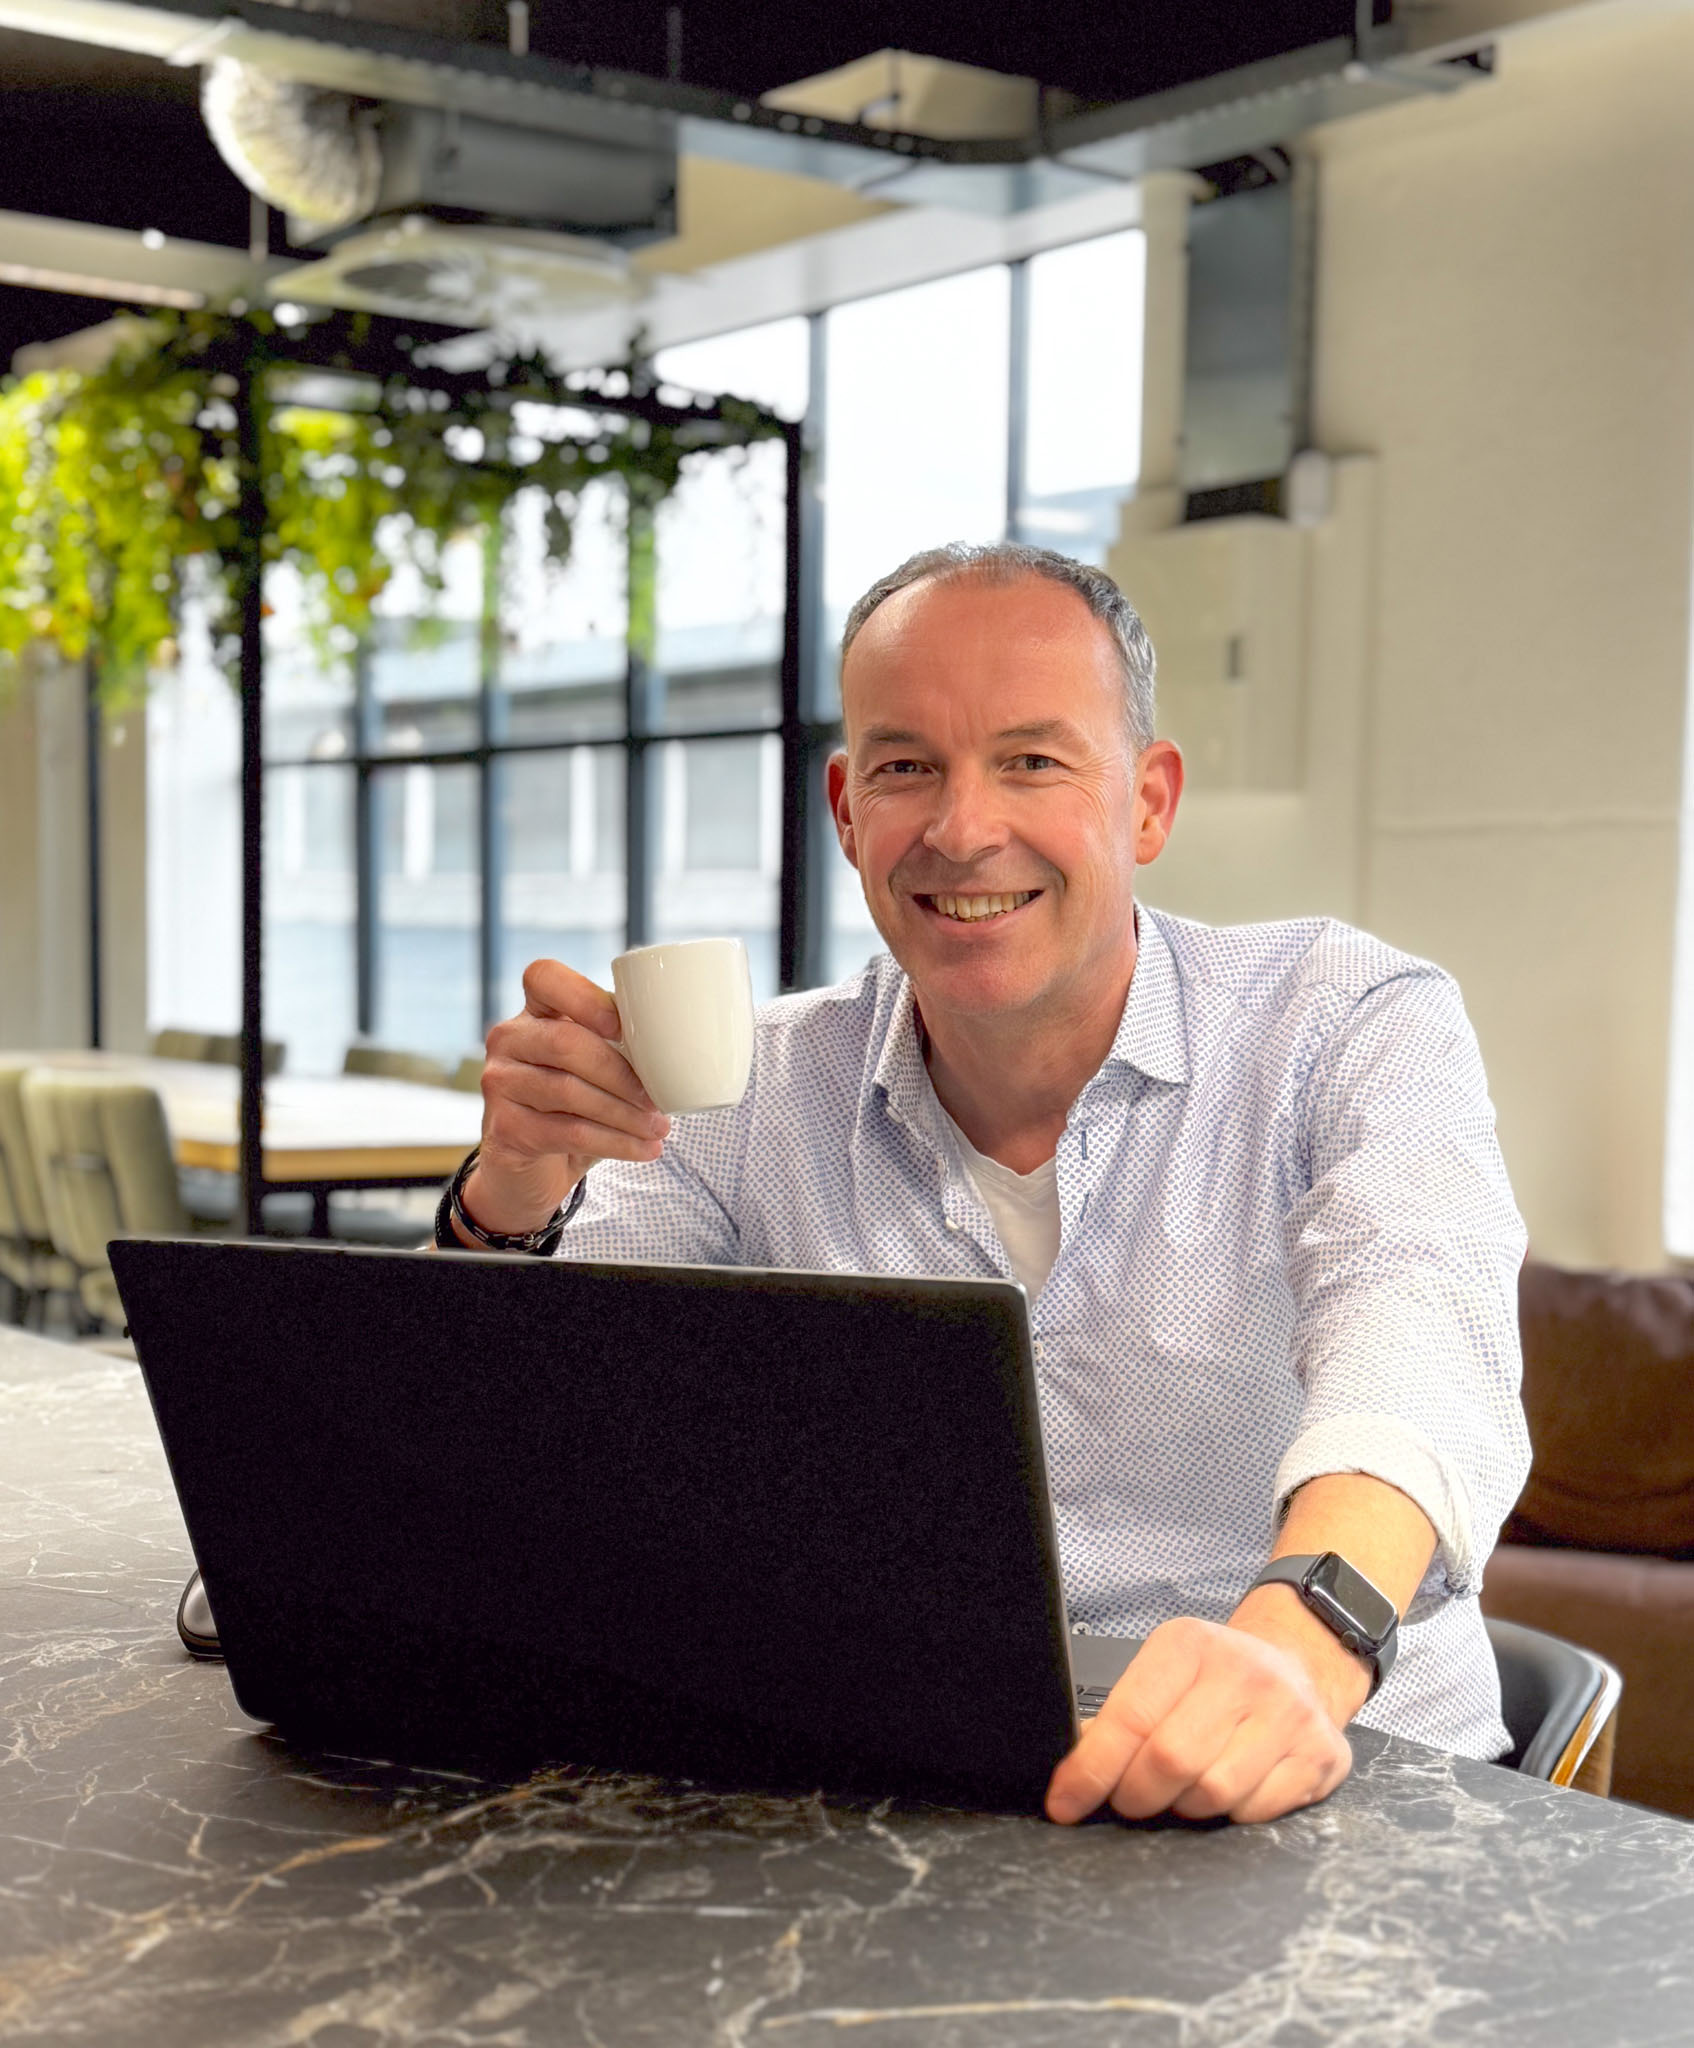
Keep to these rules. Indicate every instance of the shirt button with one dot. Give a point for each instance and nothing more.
(951, 1225)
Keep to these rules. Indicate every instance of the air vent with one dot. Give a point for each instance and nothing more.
(424, 269)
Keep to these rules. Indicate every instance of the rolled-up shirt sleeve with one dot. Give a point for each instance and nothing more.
(1403, 1256)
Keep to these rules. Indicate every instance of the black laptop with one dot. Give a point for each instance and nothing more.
(758, 1527)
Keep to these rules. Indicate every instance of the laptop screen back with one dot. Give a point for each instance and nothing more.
(694, 1519)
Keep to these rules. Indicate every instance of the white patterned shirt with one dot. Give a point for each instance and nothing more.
(1287, 1247)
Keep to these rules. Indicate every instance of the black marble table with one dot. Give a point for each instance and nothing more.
(171, 1874)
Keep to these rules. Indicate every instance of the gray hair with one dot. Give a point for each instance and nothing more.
(1007, 561)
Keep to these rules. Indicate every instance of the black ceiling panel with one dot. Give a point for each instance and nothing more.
(28, 316)
(93, 135)
(1099, 52)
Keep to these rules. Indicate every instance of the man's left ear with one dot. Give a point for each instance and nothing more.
(836, 778)
(1158, 791)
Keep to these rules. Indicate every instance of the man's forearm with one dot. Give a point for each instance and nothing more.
(1380, 1532)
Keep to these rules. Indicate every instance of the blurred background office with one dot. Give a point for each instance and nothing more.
(1382, 416)
(1356, 340)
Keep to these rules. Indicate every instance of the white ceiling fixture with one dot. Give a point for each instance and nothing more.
(422, 269)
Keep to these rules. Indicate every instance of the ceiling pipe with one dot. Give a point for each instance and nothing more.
(312, 154)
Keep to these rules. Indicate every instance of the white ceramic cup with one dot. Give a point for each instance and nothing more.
(686, 1011)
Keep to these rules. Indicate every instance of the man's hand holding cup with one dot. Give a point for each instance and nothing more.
(578, 1077)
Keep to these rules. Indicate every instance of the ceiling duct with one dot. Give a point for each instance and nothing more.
(438, 159)
(491, 140)
(432, 211)
(312, 154)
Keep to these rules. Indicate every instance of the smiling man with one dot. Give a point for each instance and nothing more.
(1247, 1176)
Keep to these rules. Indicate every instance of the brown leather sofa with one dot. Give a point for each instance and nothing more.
(1600, 1546)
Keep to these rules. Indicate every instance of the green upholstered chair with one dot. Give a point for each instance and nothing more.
(223, 1049)
(388, 1065)
(102, 1154)
(173, 1043)
(28, 1257)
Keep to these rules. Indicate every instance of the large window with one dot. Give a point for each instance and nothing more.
(456, 802)
(1080, 449)
(1003, 401)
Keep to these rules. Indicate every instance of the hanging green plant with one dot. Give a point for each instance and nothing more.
(120, 488)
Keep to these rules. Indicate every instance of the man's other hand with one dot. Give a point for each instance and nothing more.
(557, 1096)
(1207, 1720)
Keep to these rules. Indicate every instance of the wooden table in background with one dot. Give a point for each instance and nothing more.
(322, 1134)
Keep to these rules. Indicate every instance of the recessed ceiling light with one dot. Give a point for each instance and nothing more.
(152, 238)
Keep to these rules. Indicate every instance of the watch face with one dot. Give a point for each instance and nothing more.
(1350, 1599)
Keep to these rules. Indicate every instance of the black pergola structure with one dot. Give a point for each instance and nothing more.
(387, 352)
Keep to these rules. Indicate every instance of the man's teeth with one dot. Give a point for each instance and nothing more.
(969, 908)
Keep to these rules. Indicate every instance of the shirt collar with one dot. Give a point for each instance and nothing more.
(900, 1071)
(1150, 1037)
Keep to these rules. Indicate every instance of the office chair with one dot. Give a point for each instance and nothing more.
(28, 1256)
(223, 1049)
(388, 1065)
(1559, 1702)
(174, 1043)
(103, 1156)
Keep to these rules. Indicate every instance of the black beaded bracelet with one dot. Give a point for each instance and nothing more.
(542, 1243)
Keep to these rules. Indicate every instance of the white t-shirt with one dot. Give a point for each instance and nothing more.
(1025, 1208)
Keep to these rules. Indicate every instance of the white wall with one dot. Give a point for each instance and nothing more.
(43, 867)
(1499, 632)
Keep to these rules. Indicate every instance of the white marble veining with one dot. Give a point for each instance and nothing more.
(171, 1874)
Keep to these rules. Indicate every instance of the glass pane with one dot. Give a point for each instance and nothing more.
(308, 688)
(560, 820)
(915, 445)
(194, 843)
(425, 661)
(561, 669)
(310, 940)
(915, 429)
(720, 845)
(1083, 424)
(768, 364)
(720, 538)
(425, 826)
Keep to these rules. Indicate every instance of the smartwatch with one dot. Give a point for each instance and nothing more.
(1365, 1620)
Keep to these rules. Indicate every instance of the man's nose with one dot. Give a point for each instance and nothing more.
(968, 822)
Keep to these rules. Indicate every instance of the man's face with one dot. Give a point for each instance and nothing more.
(990, 797)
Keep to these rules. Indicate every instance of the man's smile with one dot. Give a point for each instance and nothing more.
(978, 907)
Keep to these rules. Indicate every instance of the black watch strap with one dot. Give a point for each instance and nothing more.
(542, 1243)
(1360, 1615)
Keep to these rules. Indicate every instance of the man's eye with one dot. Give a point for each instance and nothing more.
(1035, 761)
(900, 768)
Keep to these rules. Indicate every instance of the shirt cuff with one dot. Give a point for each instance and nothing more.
(579, 1195)
(1384, 1447)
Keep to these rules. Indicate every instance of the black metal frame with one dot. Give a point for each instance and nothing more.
(804, 737)
(808, 727)
(93, 740)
